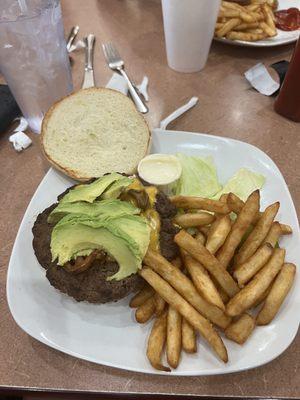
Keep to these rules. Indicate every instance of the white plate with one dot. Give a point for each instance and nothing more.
(107, 334)
(283, 37)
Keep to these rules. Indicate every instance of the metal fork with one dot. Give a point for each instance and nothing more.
(115, 62)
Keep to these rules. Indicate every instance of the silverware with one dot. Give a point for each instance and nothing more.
(115, 62)
(72, 36)
(88, 80)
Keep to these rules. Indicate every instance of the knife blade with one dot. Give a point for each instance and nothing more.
(88, 79)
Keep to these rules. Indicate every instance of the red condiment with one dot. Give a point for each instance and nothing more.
(288, 100)
(288, 20)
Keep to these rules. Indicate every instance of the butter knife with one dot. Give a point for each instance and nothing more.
(88, 80)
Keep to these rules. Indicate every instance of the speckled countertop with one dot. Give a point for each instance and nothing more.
(227, 108)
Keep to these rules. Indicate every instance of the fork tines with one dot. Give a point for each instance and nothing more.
(111, 54)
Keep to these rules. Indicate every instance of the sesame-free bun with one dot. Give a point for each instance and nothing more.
(94, 131)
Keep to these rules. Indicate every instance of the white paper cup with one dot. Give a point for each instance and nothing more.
(189, 28)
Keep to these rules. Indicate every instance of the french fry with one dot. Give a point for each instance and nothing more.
(145, 311)
(232, 5)
(177, 262)
(223, 197)
(202, 281)
(245, 271)
(217, 233)
(274, 234)
(194, 219)
(224, 296)
(244, 26)
(235, 204)
(156, 343)
(239, 228)
(189, 338)
(267, 29)
(159, 304)
(199, 203)
(202, 255)
(269, 17)
(201, 324)
(173, 337)
(200, 237)
(256, 31)
(219, 25)
(241, 329)
(271, 3)
(159, 301)
(286, 229)
(250, 293)
(253, 7)
(263, 296)
(228, 26)
(245, 36)
(186, 288)
(229, 13)
(249, 17)
(258, 234)
(278, 293)
(140, 298)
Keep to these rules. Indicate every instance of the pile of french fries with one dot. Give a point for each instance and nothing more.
(250, 23)
(228, 266)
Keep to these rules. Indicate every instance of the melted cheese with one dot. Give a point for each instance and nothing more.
(153, 217)
(152, 192)
(150, 214)
(154, 222)
(135, 185)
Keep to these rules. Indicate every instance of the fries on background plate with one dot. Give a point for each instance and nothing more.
(249, 22)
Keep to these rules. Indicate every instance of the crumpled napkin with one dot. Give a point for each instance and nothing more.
(19, 139)
(259, 78)
(117, 82)
(77, 46)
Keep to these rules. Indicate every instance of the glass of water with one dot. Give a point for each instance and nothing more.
(33, 55)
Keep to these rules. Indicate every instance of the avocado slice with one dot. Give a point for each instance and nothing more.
(135, 230)
(104, 208)
(89, 192)
(70, 240)
(77, 235)
(114, 191)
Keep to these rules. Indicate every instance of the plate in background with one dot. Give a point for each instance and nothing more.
(283, 37)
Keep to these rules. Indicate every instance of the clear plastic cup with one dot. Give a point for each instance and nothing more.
(189, 29)
(33, 55)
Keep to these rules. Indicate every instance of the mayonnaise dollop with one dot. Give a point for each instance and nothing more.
(160, 169)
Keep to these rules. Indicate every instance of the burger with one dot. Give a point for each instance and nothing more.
(93, 240)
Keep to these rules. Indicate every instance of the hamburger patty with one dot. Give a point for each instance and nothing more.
(92, 285)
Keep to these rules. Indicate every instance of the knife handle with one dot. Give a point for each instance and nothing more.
(89, 42)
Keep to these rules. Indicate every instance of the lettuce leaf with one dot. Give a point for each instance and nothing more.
(198, 178)
(243, 183)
